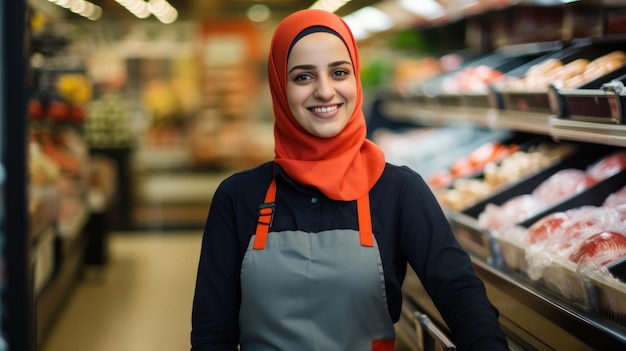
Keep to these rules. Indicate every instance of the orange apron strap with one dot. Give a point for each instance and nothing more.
(365, 220)
(266, 214)
(383, 345)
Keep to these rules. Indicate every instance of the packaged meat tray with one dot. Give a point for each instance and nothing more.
(561, 278)
(514, 204)
(492, 166)
(468, 84)
(527, 88)
(610, 296)
(589, 284)
(512, 242)
(555, 249)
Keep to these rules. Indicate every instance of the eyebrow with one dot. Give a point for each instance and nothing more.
(332, 64)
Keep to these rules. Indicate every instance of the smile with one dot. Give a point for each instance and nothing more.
(325, 109)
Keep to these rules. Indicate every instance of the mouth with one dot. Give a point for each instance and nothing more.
(325, 109)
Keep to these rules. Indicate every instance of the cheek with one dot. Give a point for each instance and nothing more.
(350, 92)
(295, 97)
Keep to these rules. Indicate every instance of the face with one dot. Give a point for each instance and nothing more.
(321, 85)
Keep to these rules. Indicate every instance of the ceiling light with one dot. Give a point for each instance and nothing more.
(80, 7)
(259, 13)
(429, 9)
(328, 5)
(371, 18)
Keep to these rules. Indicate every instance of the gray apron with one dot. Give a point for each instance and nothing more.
(314, 291)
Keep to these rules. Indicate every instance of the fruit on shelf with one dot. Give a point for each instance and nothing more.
(36, 110)
(74, 88)
(58, 110)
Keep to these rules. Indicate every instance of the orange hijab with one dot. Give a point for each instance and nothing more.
(344, 167)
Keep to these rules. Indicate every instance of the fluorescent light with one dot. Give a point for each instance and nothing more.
(429, 9)
(371, 18)
(358, 31)
(80, 7)
(163, 11)
(328, 5)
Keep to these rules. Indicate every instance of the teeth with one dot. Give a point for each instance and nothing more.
(325, 109)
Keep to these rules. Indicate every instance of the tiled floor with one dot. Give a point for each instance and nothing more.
(140, 301)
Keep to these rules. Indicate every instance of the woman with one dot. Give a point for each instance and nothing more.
(309, 252)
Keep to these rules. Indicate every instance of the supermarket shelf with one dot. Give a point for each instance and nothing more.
(546, 317)
(533, 316)
(433, 115)
(536, 318)
(532, 122)
(609, 134)
(55, 294)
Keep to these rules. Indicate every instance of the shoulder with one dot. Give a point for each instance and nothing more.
(400, 174)
(249, 181)
(400, 183)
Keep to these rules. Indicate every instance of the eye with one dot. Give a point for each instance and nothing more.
(302, 77)
(341, 73)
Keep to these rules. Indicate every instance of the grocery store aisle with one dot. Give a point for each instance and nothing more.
(140, 301)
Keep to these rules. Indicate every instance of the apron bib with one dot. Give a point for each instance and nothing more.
(314, 291)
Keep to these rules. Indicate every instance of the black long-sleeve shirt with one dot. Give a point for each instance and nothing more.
(408, 224)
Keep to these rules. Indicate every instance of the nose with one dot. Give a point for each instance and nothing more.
(324, 89)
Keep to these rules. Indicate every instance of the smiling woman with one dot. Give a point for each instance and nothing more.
(321, 87)
(309, 251)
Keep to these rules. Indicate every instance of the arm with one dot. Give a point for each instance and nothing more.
(446, 271)
(215, 312)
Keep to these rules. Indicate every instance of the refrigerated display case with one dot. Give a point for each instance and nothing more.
(536, 314)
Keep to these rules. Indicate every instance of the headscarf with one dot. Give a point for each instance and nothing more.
(343, 167)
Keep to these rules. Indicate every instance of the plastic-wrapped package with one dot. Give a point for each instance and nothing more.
(568, 235)
(548, 260)
(563, 184)
(608, 165)
(617, 200)
(606, 293)
(559, 186)
(512, 211)
(599, 249)
(553, 224)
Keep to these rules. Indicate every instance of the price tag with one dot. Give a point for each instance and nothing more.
(613, 92)
(614, 104)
